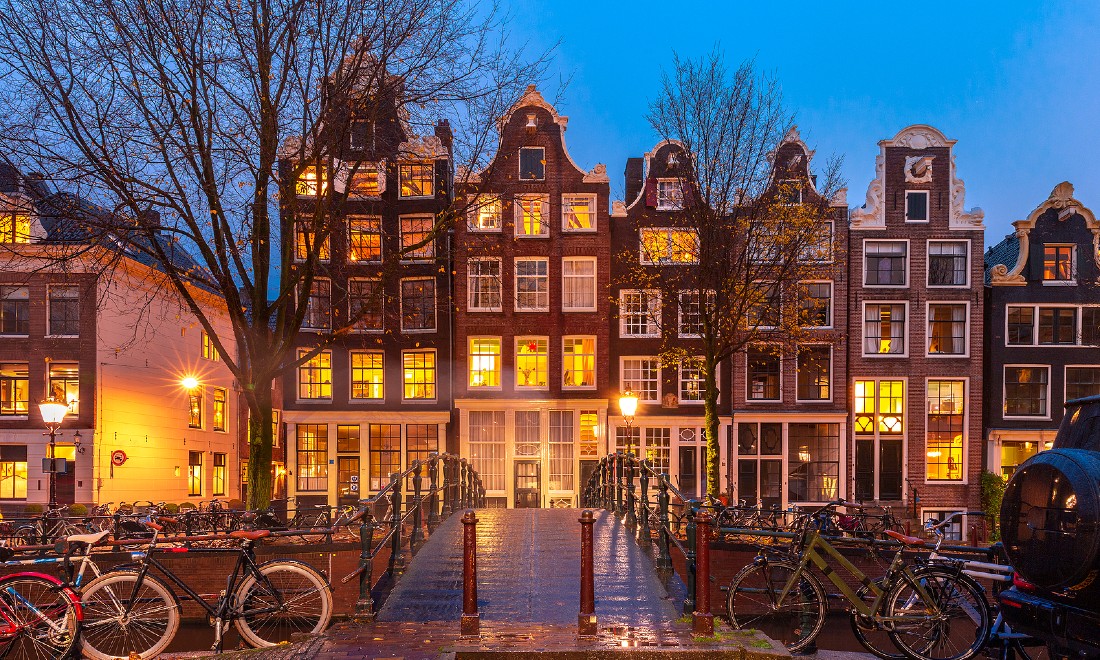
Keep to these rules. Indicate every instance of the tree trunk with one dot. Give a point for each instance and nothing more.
(260, 442)
(710, 413)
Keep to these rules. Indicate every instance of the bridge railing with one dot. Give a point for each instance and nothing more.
(453, 486)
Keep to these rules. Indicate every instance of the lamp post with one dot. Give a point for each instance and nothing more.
(53, 413)
(628, 405)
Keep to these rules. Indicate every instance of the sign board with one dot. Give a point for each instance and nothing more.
(118, 457)
(55, 465)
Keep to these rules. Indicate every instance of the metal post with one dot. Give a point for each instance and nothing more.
(464, 491)
(449, 475)
(689, 557)
(417, 500)
(433, 498)
(397, 559)
(53, 470)
(664, 558)
(631, 501)
(364, 607)
(702, 619)
(619, 483)
(471, 620)
(644, 509)
(586, 618)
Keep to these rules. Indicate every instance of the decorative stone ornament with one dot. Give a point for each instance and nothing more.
(918, 169)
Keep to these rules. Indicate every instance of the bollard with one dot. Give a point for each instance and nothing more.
(364, 607)
(471, 620)
(586, 618)
(702, 620)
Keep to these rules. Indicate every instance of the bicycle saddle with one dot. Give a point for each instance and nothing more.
(90, 539)
(907, 540)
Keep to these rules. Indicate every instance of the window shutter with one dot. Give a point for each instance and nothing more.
(651, 193)
(688, 189)
(1035, 261)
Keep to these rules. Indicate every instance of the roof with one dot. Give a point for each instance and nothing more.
(1006, 252)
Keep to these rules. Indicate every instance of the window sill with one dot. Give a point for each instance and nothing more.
(1059, 283)
(364, 262)
(416, 197)
(948, 286)
(418, 260)
(529, 310)
(948, 356)
(885, 355)
(368, 332)
(669, 208)
(1027, 418)
(353, 196)
(885, 286)
(578, 388)
(622, 336)
(61, 337)
(484, 310)
(4, 336)
(692, 403)
(483, 388)
(532, 388)
(523, 236)
(472, 230)
(308, 401)
(812, 401)
(14, 418)
(419, 400)
(592, 230)
(419, 331)
(570, 310)
(765, 401)
(366, 401)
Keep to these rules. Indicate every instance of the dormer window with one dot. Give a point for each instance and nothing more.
(532, 164)
(15, 228)
(417, 179)
(790, 192)
(670, 195)
(1058, 264)
(368, 181)
(310, 183)
(361, 134)
(916, 206)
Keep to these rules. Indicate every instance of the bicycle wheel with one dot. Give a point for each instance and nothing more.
(109, 631)
(288, 598)
(43, 617)
(753, 602)
(953, 626)
(872, 636)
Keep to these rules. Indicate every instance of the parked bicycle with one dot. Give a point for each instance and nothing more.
(39, 616)
(48, 527)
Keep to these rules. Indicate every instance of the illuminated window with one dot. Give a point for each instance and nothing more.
(364, 238)
(315, 375)
(421, 441)
(65, 384)
(578, 212)
(532, 362)
(14, 389)
(483, 283)
(528, 436)
(590, 434)
(1026, 391)
(417, 179)
(532, 164)
(194, 473)
(947, 329)
(305, 243)
(484, 214)
(670, 195)
(219, 411)
(764, 368)
(1058, 263)
(658, 443)
(64, 310)
(308, 182)
(385, 453)
(885, 263)
(532, 284)
(419, 374)
(417, 237)
(945, 442)
(15, 310)
(13, 472)
(880, 438)
(15, 228)
(817, 305)
(367, 375)
(365, 304)
(368, 181)
(813, 460)
(530, 215)
(578, 292)
(639, 313)
(485, 362)
(194, 407)
(693, 385)
(219, 476)
(312, 457)
(418, 303)
(884, 329)
(347, 438)
(579, 362)
(641, 375)
(667, 246)
(318, 314)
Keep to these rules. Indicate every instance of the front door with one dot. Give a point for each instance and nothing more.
(347, 482)
(66, 482)
(689, 471)
(528, 484)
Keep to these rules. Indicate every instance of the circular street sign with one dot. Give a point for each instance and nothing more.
(118, 457)
(354, 478)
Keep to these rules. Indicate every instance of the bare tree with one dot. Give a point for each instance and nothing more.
(180, 118)
(746, 231)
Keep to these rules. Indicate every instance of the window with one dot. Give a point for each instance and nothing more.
(65, 384)
(814, 373)
(532, 164)
(763, 373)
(1082, 382)
(367, 375)
(483, 282)
(578, 212)
(531, 212)
(385, 453)
(305, 243)
(579, 362)
(364, 238)
(692, 384)
(532, 362)
(528, 439)
(817, 305)
(763, 310)
(417, 179)
(691, 312)
(312, 457)
(315, 375)
(485, 362)
(641, 375)
(658, 442)
(418, 304)
(318, 314)
(487, 447)
(484, 214)
(946, 430)
(947, 329)
(885, 263)
(13, 472)
(1090, 326)
(15, 228)
(766, 243)
(421, 440)
(194, 473)
(628, 440)
(1058, 263)
(663, 246)
(417, 241)
(589, 435)
(368, 181)
(419, 374)
(639, 313)
(310, 184)
(15, 310)
(195, 396)
(670, 195)
(532, 285)
(1026, 391)
(916, 206)
(947, 263)
(880, 438)
(562, 434)
(365, 304)
(218, 485)
(1058, 325)
(64, 311)
(818, 246)
(884, 329)
(1021, 326)
(14, 389)
(360, 134)
(207, 348)
(813, 459)
(578, 276)
(954, 530)
(219, 411)
(789, 192)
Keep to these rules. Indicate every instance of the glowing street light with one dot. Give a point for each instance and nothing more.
(53, 413)
(189, 382)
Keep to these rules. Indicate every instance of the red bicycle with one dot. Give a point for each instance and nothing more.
(39, 616)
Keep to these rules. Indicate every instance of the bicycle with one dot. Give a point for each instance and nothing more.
(930, 613)
(39, 616)
(47, 527)
(132, 611)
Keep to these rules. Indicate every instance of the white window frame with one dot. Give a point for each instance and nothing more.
(517, 215)
(663, 202)
(941, 513)
(515, 362)
(623, 378)
(515, 284)
(351, 377)
(417, 259)
(1072, 264)
(308, 316)
(832, 310)
(365, 169)
(927, 259)
(804, 254)
(965, 478)
(435, 306)
(431, 166)
(594, 278)
(474, 213)
(1034, 325)
(49, 309)
(863, 329)
(1004, 390)
(652, 313)
(565, 199)
(470, 289)
(779, 300)
(435, 383)
(360, 217)
(470, 363)
(908, 262)
(748, 374)
(595, 362)
(928, 330)
(832, 381)
(1065, 377)
(680, 383)
(645, 259)
(680, 311)
(519, 163)
(382, 305)
(927, 207)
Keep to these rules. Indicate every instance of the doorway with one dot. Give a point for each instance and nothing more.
(528, 485)
(347, 480)
(66, 481)
(689, 471)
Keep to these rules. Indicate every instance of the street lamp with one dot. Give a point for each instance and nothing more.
(628, 405)
(53, 413)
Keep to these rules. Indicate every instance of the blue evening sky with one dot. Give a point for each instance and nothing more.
(1016, 83)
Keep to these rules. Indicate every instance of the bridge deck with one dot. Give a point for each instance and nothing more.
(528, 566)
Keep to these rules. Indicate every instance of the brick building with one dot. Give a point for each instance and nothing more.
(1043, 312)
(915, 303)
(532, 265)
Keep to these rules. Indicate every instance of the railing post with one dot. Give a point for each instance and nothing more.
(664, 556)
(417, 500)
(364, 607)
(433, 498)
(702, 620)
(619, 483)
(453, 492)
(471, 620)
(631, 502)
(464, 491)
(586, 618)
(689, 557)
(397, 558)
(644, 510)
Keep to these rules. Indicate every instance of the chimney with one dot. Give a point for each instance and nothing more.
(635, 170)
(443, 132)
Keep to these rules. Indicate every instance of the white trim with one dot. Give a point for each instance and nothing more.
(660, 376)
(517, 215)
(595, 363)
(594, 212)
(1072, 264)
(420, 259)
(351, 378)
(644, 259)
(435, 366)
(80, 312)
(928, 256)
(963, 470)
(435, 305)
(863, 329)
(516, 341)
(877, 436)
(908, 262)
(680, 382)
(831, 380)
(653, 313)
(515, 286)
(748, 374)
(356, 217)
(470, 289)
(832, 291)
(595, 278)
(1004, 391)
(470, 387)
(473, 210)
(431, 166)
(1065, 377)
(657, 190)
(928, 329)
(927, 207)
(382, 307)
